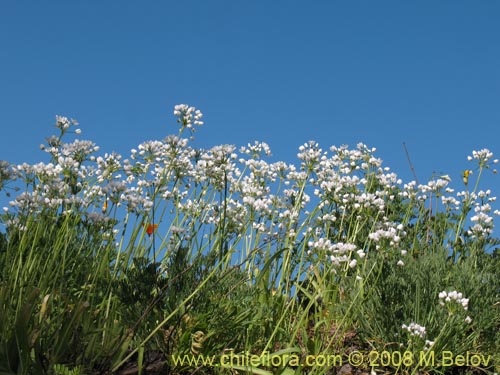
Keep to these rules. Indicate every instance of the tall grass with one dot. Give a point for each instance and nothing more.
(111, 264)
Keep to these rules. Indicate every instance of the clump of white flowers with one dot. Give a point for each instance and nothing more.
(483, 156)
(188, 117)
(244, 195)
(256, 149)
(338, 252)
(415, 329)
(393, 232)
(64, 123)
(483, 223)
(453, 297)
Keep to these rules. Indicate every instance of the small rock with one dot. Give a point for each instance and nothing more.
(345, 370)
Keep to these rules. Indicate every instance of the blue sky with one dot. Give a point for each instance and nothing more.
(340, 72)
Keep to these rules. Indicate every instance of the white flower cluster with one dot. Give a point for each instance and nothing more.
(482, 220)
(256, 149)
(453, 297)
(64, 123)
(450, 202)
(188, 116)
(435, 185)
(310, 154)
(339, 252)
(483, 156)
(483, 223)
(415, 329)
(217, 165)
(79, 149)
(244, 195)
(393, 233)
(107, 166)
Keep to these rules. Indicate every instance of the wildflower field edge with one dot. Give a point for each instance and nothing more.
(110, 263)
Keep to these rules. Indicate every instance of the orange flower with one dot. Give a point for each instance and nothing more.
(150, 228)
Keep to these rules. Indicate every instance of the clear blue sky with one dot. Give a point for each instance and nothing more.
(381, 72)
